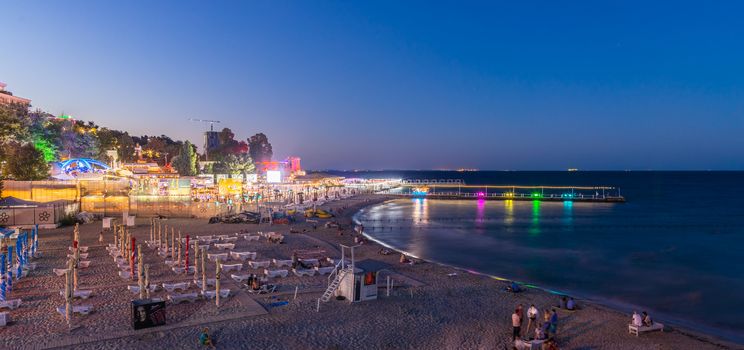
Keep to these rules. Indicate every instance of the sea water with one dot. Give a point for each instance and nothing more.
(673, 249)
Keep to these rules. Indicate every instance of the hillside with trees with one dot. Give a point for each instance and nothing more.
(30, 140)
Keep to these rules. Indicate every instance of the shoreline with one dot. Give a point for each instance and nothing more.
(426, 309)
(675, 325)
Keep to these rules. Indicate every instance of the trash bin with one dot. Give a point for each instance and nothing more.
(148, 313)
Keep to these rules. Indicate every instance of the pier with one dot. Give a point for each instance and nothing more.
(456, 189)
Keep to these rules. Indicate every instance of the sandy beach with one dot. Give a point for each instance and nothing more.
(429, 307)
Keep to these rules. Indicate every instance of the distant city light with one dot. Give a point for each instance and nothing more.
(273, 176)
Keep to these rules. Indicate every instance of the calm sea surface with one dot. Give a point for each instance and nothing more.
(674, 249)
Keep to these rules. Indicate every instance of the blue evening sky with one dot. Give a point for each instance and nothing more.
(400, 84)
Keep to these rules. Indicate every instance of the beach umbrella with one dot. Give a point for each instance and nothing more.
(3, 287)
(10, 265)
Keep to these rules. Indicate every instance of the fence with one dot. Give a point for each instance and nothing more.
(149, 206)
(45, 216)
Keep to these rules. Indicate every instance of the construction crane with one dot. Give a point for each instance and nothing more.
(211, 122)
(207, 135)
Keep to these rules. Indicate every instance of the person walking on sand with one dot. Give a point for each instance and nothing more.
(516, 324)
(553, 323)
(520, 312)
(531, 318)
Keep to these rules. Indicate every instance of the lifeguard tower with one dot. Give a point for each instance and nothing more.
(355, 281)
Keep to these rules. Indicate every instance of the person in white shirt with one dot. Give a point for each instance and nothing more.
(531, 316)
(637, 321)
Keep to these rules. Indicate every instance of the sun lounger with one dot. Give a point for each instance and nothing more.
(324, 270)
(276, 273)
(78, 294)
(210, 282)
(176, 286)
(265, 289)
(125, 274)
(637, 330)
(203, 246)
(4, 319)
(224, 246)
(251, 238)
(183, 298)
(313, 262)
(232, 267)
(136, 289)
(123, 266)
(82, 255)
(221, 236)
(82, 249)
(171, 262)
(10, 304)
(282, 263)
(84, 264)
(214, 257)
(83, 310)
(181, 269)
(210, 294)
(259, 264)
(203, 238)
(240, 278)
(274, 237)
(243, 256)
(229, 239)
(303, 272)
(60, 272)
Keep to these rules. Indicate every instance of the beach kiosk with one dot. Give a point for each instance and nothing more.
(362, 284)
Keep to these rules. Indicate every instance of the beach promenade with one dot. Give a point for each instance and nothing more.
(431, 307)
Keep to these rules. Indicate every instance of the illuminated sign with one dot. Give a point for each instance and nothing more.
(273, 176)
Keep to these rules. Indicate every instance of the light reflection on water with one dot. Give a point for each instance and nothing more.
(582, 248)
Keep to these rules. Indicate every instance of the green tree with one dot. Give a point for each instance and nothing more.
(25, 163)
(235, 164)
(14, 123)
(185, 162)
(259, 148)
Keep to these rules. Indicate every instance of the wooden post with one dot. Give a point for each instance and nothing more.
(186, 255)
(204, 269)
(196, 260)
(173, 243)
(178, 260)
(166, 242)
(217, 283)
(147, 280)
(140, 271)
(68, 292)
(131, 259)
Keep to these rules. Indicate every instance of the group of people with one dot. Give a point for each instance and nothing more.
(254, 282)
(643, 320)
(544, 329)
(568, 303)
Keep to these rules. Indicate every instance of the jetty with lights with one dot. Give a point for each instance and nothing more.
(457, 189)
